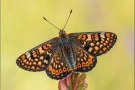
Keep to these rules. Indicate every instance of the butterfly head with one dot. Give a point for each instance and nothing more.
(62, 32)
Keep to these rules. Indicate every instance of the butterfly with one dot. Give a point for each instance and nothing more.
(67, 53)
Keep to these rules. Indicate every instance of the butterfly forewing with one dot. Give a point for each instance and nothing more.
(96, 43)
(58, 68)
(38, 58)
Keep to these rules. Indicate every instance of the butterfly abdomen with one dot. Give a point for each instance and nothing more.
(69, 56)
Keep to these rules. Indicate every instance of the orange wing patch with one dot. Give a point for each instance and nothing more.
(82, 37)
(46, 46)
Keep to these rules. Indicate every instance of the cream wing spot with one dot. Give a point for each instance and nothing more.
(31, 60)
(45, 61)
(41, 50)
(43, 66)
(106, 41)
(54, 64)
(84, 58)
(85, 55)
(52, 60)
(89, 38)
(96, 48)
(90, 49)
(102, 35)
(81, 59)
(92, 44)
(59, 66)
(34, 63)
(33, 67)
(102, 40)
(101, 45)
(36, 59)
(41, 58)
(84, 43)
(97, 43)
(48, 53)
(104, 44)
(24, 60)
(58, 58)
(111, 41)
(112, 35)
(27, 62)
(78, 59)
(27, 54)
(62, 63)
(39, 63)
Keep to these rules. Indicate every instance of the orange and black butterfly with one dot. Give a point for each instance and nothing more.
(67, 53)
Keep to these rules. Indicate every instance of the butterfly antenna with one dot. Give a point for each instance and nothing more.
(68, 18)
(49, 22)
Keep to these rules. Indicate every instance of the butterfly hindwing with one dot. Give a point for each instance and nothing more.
(84, 61)
(58, 68)
(96, 43)
(38, 58)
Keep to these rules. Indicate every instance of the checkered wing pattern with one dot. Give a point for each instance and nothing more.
(38, 58)
(84, 61)
(96, 43)
(58, 68)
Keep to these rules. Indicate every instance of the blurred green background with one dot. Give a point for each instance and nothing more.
(23, 28)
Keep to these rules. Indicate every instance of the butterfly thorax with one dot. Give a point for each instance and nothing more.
(63, 37)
